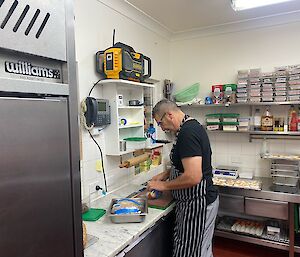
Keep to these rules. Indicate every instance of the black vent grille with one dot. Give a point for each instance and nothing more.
(33, 20)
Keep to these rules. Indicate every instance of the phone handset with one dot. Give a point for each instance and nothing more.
(89, 112)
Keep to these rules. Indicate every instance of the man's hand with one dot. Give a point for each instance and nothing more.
(155, 184)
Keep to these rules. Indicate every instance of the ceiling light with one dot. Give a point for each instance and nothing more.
(239, 5)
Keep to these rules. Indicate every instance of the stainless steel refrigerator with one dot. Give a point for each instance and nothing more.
(40, 202)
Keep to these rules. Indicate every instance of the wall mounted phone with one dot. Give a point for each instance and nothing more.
(97, 112)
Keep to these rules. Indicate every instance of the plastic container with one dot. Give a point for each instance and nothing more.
(241, 90)
(242, 95)
(232, 86)
(187, 94)
(294, 87)
(255, 99)
(156, 158)
(135, 142)
(294, 98)
(280, 93)
(242, 100)
(280, 98)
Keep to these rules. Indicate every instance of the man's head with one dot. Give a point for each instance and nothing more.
(167, 115)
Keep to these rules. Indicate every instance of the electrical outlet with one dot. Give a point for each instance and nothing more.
(92, 189)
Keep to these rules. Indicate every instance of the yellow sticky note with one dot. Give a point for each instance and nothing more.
(98, 166)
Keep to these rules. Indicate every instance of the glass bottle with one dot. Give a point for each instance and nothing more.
(267, 121)
(257, 120)
(291, 111)
(293, 119)
(264, 150)
(298, 119)
(294, 122)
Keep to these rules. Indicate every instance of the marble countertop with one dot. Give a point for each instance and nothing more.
(113, 238)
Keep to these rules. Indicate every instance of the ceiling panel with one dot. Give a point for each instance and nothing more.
(185, 15)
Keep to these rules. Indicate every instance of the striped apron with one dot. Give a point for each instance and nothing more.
(190, 213)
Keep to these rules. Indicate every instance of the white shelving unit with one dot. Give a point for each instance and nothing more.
(253, 134)
(134, 115)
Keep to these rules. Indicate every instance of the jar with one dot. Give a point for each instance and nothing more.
(276, 124)
(156, 158)
(145, 165)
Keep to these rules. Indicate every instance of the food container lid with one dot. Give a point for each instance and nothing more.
(135, 139)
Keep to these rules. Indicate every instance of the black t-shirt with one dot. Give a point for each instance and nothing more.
(193, 141)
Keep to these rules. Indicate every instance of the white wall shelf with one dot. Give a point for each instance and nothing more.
(154, 146)
(124, 83)
(130, 107)
(134, 115)
(288, 133)
(241, 104)
(131, 126)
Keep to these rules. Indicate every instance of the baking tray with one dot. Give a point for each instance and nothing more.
(285, 173)
(129, 218)
(285, 181)
(285, 167)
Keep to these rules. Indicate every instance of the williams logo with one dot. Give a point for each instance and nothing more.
(25, 68)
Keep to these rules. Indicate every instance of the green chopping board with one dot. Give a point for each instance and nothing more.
(93, 214)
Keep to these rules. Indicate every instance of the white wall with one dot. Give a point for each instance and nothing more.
(215, 60)
(208, 59)
(94, 24)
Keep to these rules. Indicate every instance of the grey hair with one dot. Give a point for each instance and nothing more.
(164, 106)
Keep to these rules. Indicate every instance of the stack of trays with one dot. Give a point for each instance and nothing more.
(242, 87)
(222, 121)
(285, 175)
(230, 121)
(254, 87)
(267, 87)
(294, 83)
(243, 124)
(213, 121)
(281, 81)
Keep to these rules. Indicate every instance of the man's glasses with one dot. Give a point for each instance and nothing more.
(162, 117)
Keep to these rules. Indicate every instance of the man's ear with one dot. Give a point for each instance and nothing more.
(169, 114)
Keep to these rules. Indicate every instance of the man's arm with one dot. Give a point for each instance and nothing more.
(191, 176)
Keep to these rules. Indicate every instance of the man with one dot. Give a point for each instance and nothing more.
(190, 180)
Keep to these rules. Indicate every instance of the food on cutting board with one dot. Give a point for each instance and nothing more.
(84, 235)
(127, 206)
(154, 194)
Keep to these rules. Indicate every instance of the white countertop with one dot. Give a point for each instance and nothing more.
(113, 238)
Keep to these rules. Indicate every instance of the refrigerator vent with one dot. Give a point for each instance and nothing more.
(21, 18)
(34, 26)
(1, 2)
